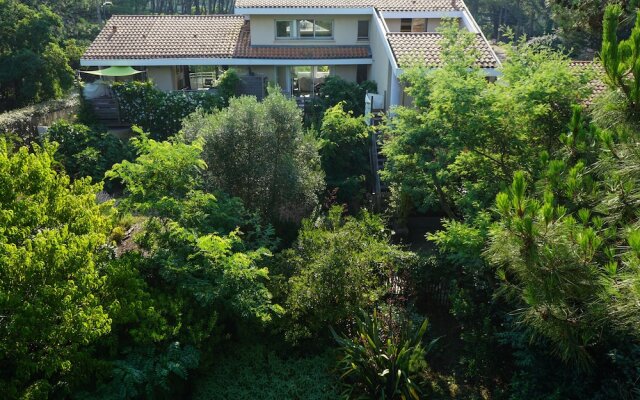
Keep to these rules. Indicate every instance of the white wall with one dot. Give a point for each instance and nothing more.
(162, 77)
(345, 30)
(346, 72)
(380, 68)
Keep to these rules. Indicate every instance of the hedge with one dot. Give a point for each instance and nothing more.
(161, 113)
(24, 122)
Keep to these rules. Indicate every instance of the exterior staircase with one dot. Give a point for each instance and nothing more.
(380, 189)
(106, 111)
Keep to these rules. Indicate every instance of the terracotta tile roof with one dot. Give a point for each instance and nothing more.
(166, 36)
(597, 85)
(383, 5)
(245, 50)
(211, 36)
(425, 47)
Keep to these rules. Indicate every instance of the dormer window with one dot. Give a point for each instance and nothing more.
(304, 29)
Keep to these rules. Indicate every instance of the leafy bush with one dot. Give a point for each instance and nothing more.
(259, 152)
(190, 280)
(146, 373)
(84, 151)
(52, 247)
(336, 90)
(158, 112)
(227, 85)
(464, 137)
(344, 153)
(337, 266)
(381, 365)
(33, 66)
(254, 372)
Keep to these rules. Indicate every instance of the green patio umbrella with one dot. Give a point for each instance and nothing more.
(114, 71)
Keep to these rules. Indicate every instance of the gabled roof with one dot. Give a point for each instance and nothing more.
(134, 37)
(166, 36)
(382, 5)
(424, 47)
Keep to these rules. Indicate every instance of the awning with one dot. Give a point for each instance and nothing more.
(114, 71)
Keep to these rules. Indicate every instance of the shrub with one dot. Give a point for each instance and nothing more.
(259, 152)
(344, 153)
(227, 85)
(52, 250)
(84, 151)
(159, 112)
(381, 365)
(117, 234)
(337, 90)
(337, 266)
(254, 372)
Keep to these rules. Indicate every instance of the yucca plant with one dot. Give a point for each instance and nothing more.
(373, 366)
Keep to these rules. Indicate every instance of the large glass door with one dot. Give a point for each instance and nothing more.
(306, 80)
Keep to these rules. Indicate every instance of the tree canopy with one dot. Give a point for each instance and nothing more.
(260, 152)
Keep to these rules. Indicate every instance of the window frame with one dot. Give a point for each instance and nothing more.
(295, 29)
(406, 23)
(364, 38)
(292, 28)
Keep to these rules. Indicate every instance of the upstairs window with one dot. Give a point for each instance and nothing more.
(304, 29)
(405, 25)
(363, 30)
(419, 25)
(284, 29)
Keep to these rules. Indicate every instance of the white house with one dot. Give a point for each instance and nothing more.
(293, 43)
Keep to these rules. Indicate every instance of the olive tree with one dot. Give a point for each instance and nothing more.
(259, 152)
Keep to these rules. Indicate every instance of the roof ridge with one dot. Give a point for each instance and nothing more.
(158, 16)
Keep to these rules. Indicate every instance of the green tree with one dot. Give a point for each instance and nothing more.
(344, 140)
(53, 238)
(259, 152)
(33, 66)
(84, 151)
(621, 63)
(338, 266)
(567, 252)
(466, 136)
(200, 259)
(580, 22)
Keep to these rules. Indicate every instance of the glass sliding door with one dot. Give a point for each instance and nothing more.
(306, 80)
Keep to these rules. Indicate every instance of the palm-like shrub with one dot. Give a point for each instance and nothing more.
(374, 365)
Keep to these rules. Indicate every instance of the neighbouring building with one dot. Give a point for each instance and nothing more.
(295, 44)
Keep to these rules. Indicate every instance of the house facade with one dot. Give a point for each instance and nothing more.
(295, 44)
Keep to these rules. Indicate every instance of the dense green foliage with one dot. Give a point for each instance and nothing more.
(84, 151)
(33, 64)
(338, 266)
(181, 287)
(53, 239)
(379, 367)
(335, 90)
(466, 136)
(259, 152)
(344, 154)
(161, 113)
(550, 277)
(255, 372)
(202, 279)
